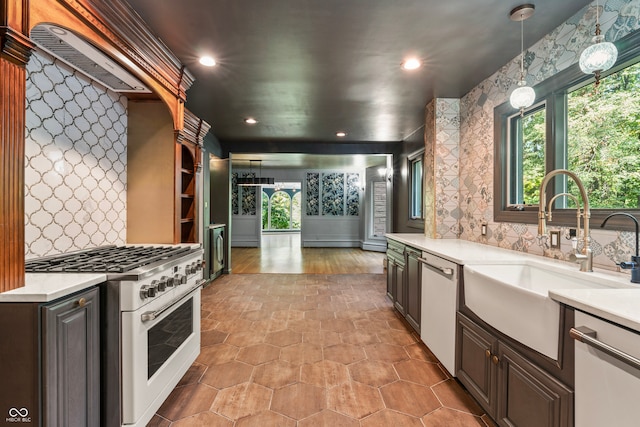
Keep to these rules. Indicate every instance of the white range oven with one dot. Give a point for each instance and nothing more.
(150, 322)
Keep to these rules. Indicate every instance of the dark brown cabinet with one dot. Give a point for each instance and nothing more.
(512, 389)
(188, 195)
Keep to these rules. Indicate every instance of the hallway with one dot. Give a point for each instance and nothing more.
(281, 253)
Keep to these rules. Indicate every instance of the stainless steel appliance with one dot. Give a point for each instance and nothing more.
(150, 322)
(216, 245)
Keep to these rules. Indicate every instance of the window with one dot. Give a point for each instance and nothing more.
(596, 136)
(415, 186)
(603, 141)
(526, 156)
(281, 208)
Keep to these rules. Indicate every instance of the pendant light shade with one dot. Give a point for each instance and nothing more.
(523, 96)
(600, 56)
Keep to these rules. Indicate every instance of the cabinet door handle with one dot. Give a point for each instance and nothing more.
(487, 353)
(82, 302)
(495, 360)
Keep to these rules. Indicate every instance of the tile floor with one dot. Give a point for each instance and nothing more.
(312, 350)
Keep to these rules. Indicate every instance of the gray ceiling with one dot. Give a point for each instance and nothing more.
(308, 68)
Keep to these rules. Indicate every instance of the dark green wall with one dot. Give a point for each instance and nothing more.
(401, 221)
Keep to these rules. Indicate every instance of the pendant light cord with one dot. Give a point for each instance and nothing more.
(521, 47)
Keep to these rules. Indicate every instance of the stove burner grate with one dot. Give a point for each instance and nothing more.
(106, 259)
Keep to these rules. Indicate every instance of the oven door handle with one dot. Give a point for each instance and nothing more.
(152, 315)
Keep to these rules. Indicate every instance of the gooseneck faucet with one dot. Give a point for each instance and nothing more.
(586, 257)
(634, 265)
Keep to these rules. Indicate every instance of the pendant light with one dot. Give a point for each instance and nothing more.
(601, 55)
(523, 96)
(254, 181)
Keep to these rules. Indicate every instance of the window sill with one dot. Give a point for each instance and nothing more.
(418, 224)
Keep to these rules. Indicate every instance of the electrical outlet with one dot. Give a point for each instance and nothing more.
(483, 229)
(554, 242)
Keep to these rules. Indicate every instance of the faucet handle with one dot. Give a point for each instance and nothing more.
(634, 266)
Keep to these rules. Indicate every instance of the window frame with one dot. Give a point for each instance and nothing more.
(553, 92)
(411, 160)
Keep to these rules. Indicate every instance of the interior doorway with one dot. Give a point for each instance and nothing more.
(281, 208)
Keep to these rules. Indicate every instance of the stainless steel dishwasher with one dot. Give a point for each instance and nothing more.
(439, 305)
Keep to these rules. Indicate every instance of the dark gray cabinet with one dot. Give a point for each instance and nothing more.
(413, 286)
(512, 389)
(71, 361)
(474, 363)
(395, 274)
(404, 281)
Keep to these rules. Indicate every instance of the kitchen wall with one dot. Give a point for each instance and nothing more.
(555, 52)
(76, 161)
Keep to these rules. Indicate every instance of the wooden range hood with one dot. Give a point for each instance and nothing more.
(115, 29)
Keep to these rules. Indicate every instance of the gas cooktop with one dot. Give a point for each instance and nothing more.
(105, 259)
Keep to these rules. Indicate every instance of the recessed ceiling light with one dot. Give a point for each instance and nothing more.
(411, 64)
(341, 134)
(250, 121)
(208, 61)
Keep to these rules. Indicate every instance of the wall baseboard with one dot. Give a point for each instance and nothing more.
(331, 244)
(374, 246)
(249, 243)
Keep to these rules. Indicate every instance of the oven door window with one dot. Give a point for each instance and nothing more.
(168, 335)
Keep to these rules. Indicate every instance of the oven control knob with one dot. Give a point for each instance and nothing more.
(187, 269)
(162, 284)
(148, 291)
(177, 279)
(198, 267)
(153, 287)
(170, 282)
(183, 279)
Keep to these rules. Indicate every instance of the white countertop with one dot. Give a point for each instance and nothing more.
(46, 287)
(458, 251)
(619, 302)
(620, 306)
